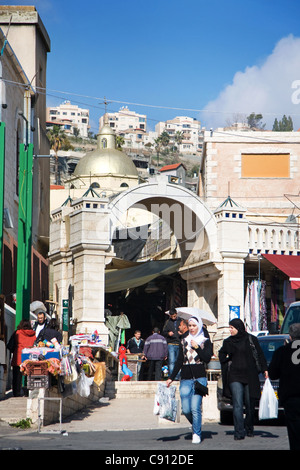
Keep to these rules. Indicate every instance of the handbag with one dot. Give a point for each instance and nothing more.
(200, 389)
(255, 355)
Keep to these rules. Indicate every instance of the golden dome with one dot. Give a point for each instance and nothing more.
(106, 159)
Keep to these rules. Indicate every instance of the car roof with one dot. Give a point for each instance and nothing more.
(273, 337)
(294, 304)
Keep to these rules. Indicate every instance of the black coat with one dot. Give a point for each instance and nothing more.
(171, 325)
(285, 366)
(133, 347)
(238, 364)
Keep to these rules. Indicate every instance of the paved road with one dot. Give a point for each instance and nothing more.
(214, 437)
(129, 425)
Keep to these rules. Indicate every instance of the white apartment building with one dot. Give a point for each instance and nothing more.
(69, 117)
(191, 132)
(124, 120)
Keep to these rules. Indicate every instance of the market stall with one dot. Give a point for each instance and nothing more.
(72, 369)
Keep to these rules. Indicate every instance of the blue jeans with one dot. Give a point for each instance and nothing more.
(191, 403)
(173, 351)
(241, 397)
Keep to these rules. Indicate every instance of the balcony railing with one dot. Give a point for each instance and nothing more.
(274, 239)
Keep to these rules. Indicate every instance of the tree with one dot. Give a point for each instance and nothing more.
(178, 137)
(119, 142)
(58, 140)
(76, 132)
(285, 125)
(254, 121)
(164, 138)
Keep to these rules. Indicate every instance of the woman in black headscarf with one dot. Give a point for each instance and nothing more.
(242, 375)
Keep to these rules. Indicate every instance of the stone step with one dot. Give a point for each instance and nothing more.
(13, 410)
(133, 389)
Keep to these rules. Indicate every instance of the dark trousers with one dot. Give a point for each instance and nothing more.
(156, 365)
(241, 397)
(16, 381)
(292, 414)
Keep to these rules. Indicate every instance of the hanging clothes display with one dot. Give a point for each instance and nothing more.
(263, 323)
(289, 294)
(255, 306)
(247, 309)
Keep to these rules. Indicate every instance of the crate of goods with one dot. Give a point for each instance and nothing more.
(38, 381)
(37, 368)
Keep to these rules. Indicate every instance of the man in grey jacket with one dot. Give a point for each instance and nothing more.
(155, 351)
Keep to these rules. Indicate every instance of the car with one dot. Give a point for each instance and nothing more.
(292, 316)
(269, 344)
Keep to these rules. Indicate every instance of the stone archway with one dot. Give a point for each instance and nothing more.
(193, 224)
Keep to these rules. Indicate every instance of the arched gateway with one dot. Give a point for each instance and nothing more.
(212, 249)
(193, 224)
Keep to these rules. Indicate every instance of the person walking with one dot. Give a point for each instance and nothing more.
(155, 351)
(285, 366)
(241, 375)
(23, 337)
(194, 352)
(170, 332)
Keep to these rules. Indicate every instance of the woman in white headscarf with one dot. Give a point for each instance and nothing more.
(195, 351)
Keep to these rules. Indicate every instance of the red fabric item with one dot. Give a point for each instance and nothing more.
(23, 339)
(288, 264)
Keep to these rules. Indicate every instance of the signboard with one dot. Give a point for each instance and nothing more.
(65, 315)
(234, 312)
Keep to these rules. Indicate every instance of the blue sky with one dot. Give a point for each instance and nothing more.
(213, 59)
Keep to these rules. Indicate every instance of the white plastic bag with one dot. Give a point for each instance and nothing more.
(156, 405)
(268, 404)
(84, 384)
(165, 402)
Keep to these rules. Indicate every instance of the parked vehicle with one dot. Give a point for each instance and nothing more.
(269, 344)
(292, 316)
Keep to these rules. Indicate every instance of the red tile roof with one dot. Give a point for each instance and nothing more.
(171, 167)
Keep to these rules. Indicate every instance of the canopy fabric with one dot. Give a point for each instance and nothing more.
(288, 264)
(138, 275)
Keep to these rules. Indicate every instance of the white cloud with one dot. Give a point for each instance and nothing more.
(265, 89)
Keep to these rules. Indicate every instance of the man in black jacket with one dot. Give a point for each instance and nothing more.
(170, 332)
(285, 366)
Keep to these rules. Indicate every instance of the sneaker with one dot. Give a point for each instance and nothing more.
(196, 439)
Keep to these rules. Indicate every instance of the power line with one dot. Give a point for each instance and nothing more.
(44, 91)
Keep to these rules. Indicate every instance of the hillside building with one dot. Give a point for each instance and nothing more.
(70, 118)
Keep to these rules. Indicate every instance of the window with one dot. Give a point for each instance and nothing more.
(266, 165)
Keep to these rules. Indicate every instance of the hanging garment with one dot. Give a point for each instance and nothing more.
(263, 324)
(247, 310)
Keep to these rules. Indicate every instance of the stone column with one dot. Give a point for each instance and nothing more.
(90, 245)
(233, 248)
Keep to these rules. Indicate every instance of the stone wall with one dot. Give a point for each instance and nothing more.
(49, 409)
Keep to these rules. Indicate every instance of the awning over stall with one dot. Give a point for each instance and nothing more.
(288, 264)
(137, 274)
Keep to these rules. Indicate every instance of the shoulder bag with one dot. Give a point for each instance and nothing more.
(255, 354)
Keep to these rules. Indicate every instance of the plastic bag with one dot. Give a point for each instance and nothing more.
(156, 405)
(268, 404)
(166, 401)
(84, 384)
